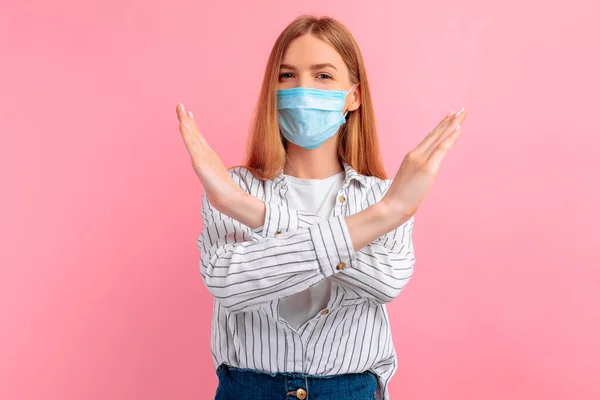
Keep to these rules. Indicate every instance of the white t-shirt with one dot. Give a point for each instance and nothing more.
(316, 196)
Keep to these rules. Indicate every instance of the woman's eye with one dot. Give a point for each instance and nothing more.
(285, 75)
(324, 76)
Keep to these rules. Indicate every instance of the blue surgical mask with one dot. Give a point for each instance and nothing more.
(308, 117)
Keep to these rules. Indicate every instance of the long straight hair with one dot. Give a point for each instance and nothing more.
(357, 140)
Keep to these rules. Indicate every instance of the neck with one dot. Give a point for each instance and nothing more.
(319, 163)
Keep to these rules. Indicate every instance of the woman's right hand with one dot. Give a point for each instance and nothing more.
(420, 167)
(220, 188)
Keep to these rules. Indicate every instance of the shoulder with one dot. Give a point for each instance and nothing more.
(377, 186)
(247, 180)
(241, 174)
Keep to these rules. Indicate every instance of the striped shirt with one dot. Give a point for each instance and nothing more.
(249, 270)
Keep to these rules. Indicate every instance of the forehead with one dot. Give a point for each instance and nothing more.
(309, 50)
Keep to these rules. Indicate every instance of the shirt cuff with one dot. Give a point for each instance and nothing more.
(278, 218)
(333, 245)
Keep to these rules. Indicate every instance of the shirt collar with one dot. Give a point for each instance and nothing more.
(351, 175)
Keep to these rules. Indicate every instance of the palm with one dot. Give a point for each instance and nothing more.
(420, 166)
(220, 188)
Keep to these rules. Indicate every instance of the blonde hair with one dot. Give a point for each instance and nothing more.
(357, 144)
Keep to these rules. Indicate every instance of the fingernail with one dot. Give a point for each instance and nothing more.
(460, 112)
(457, 127)
(450, 114)
(182, 107)
(191, 115)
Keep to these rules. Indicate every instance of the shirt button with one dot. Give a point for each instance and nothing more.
(340, 266)
(342, 199)
(324, 312)
(301, 394)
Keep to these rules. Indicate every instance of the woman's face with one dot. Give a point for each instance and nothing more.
(310, 62)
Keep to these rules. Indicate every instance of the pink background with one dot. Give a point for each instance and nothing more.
(100, 293)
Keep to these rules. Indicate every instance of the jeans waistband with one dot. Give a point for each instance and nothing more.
(237, 382)
(290, 374)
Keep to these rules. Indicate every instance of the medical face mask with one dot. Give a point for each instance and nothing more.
(308, 117)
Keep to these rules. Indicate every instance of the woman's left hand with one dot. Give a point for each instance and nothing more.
(420, 167)
(219, 186)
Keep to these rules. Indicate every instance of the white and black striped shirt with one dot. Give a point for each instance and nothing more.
(249, 270)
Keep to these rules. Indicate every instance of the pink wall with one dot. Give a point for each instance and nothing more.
(100, 292)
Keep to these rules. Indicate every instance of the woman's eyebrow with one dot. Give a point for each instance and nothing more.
(316, 66)
(324, 65)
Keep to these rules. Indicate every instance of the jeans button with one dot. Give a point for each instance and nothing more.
(301, 394)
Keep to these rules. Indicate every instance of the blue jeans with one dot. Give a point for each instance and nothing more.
(241, 384)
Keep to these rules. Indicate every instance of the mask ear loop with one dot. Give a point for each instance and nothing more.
(349, 90)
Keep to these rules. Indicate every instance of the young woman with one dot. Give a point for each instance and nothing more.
(304, 245)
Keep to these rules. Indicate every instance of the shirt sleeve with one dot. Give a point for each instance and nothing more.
(382, 268)
(245, 268)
